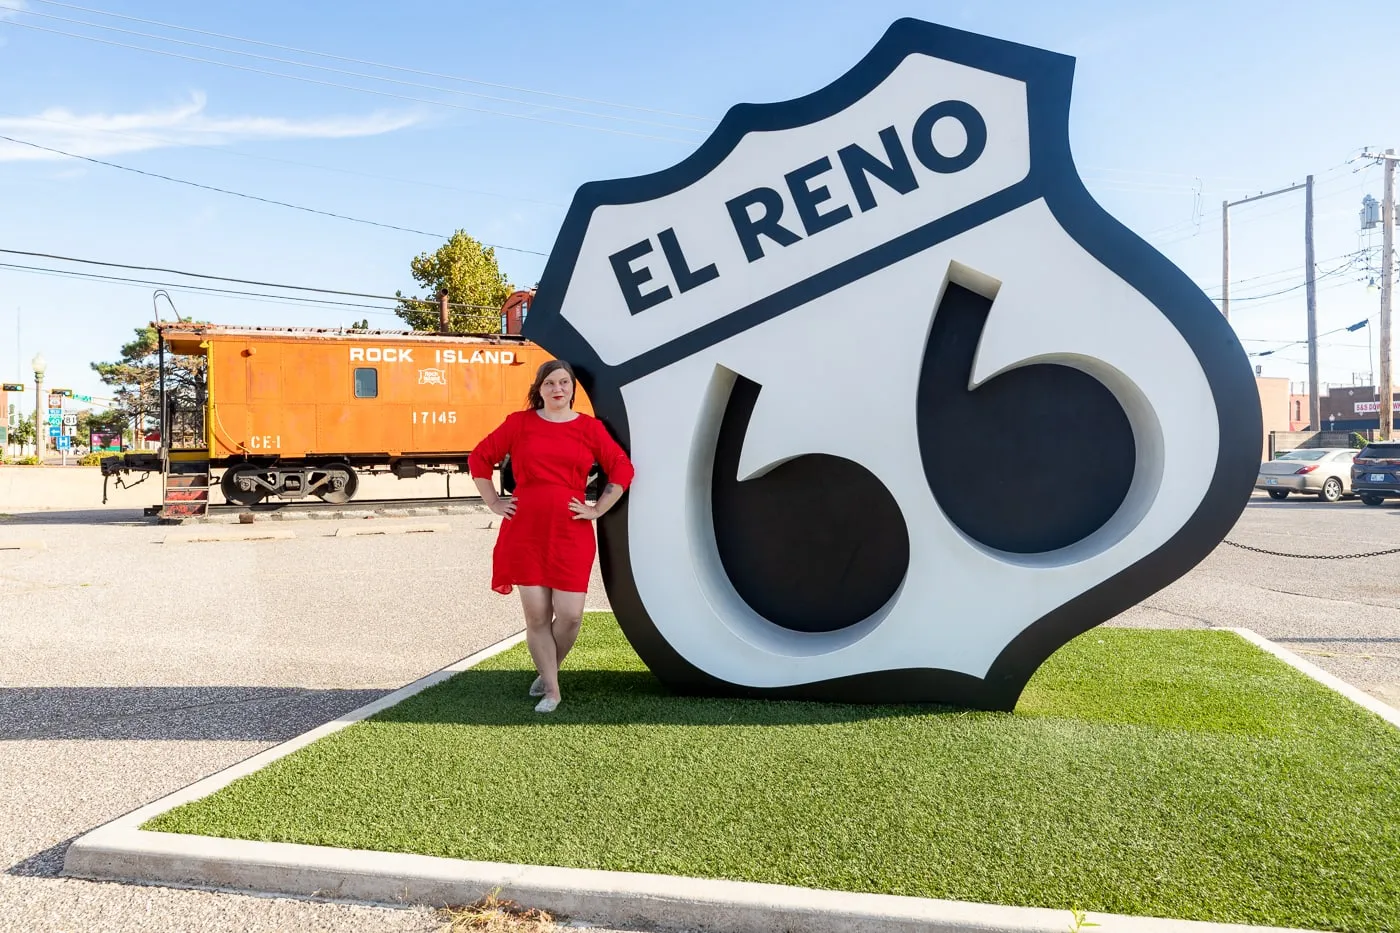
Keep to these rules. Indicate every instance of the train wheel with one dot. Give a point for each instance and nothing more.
(238, 486)
(341, 483)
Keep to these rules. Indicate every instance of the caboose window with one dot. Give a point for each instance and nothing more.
(366, 382)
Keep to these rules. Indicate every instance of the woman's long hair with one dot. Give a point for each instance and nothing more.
(534, 399)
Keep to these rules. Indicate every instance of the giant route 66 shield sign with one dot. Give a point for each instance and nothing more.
(908, 409)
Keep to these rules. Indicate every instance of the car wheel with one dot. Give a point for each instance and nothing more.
(1370, 499)
(1331, 490)
(1279, 494)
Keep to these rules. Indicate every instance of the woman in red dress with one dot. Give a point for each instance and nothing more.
(546, 545)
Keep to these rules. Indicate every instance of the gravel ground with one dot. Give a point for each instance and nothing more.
(132, 668)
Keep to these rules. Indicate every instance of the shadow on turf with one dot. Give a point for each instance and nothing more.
(607, 697)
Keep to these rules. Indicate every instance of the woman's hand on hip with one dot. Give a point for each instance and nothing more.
(503, 507)
(584, 510)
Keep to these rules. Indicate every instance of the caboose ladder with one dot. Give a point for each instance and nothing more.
(186, 490)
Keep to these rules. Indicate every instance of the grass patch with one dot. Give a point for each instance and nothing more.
(1167, 773)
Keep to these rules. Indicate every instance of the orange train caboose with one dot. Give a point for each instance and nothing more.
(293, 412)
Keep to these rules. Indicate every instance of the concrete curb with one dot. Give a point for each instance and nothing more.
(1360, 697)
(121, 851)
(293, 514)
(375, 528)
(231, 533)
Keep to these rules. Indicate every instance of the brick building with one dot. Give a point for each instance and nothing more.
(1353, 408)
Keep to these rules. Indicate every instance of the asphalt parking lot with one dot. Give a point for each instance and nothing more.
(134, 667)
(1341, 614)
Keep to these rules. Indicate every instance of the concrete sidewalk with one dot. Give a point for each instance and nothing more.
(59, 488)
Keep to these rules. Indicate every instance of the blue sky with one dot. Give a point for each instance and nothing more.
(1176, 108)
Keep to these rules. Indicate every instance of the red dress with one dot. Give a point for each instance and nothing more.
(543, 544)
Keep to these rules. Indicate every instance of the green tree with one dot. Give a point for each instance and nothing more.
(24, 433)
(473, 282)
(113, 421)
(135, 377)
(362, 324)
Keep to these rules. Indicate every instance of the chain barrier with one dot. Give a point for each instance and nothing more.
(1260, 550)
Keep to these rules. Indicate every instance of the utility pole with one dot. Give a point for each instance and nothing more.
(1225, 259)
(1314, 403)
(40, 423)
(1387, 407)
(1310, 261)
(1385, 385)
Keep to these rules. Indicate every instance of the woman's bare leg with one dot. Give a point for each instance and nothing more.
(568, 614)
(539, 636)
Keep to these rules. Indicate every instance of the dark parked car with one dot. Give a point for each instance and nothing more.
(1375, 476)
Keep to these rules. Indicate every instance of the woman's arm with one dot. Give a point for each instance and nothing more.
(482, 463)
(615, 464)
(611, 493)
(504, 507)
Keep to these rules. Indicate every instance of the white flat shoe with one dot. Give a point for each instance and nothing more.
(537, 688)
(546, 705)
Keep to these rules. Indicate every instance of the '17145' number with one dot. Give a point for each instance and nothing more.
(434, 417)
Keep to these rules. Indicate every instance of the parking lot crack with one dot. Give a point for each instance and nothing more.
(1326, 599)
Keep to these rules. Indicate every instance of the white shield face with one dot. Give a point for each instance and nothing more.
(908, 410)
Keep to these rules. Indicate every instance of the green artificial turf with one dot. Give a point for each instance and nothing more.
(1167, 773)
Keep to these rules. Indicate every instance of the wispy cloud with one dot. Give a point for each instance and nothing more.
(187, 124)
(9, 8)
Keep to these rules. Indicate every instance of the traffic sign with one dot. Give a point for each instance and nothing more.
(54, 430)
(55, 400)
(70, 430)
(83, 398)
(63, 443)
(70, 418)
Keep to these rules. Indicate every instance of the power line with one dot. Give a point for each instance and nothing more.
(254, 197)
(224, 278)
(344, 87)
(1290, 272)
(175, 143)
(1352, 258)
(360, 61)
(1293, 288)
(1295, 343)
(227, 292)
(1212, 223)
(358, 74)
(1331, 286)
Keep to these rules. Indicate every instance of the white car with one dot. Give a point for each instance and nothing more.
(1324, 472)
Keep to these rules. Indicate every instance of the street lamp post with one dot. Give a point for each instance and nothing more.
(40, 365)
